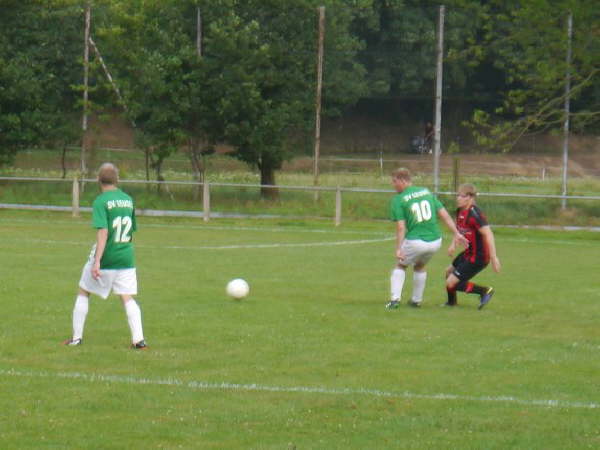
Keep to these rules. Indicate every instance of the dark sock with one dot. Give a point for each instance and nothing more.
(451, 296)
(471, 288)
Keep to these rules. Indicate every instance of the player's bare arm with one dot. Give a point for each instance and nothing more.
(459, 238)
(490, 243)
(101, 237)
(400, 233)
(452, 247)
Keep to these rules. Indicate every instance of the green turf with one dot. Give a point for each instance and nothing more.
(333, 368)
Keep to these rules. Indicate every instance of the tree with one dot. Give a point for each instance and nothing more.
(280, 97)
(37, 72)
(251, 87)
(400, 45)
(528, 42)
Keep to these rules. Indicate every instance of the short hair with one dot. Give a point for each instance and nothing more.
(468, 189)
(108, 174)
(402, 174)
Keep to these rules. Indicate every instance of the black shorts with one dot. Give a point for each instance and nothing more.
(464, 269)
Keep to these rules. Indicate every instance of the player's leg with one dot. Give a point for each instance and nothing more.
(399, 273)
(80, 311)
(134, 319)
(419, 280)
(87, 285)
(465, 272)
(425, 252)
(125, 285)
(451, 283)
(396, 284)
(455, 273)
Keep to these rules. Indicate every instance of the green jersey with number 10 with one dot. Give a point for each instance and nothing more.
(114, 210)
(418, 207)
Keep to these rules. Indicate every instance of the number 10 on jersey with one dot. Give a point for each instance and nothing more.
(421, 210)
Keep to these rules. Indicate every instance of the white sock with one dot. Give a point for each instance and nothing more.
(80, 311)
(134, 318)
(419, 279)
(397, 282)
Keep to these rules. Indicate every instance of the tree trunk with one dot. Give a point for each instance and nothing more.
(197, 165)
(157, 166)
(267, 177)
(147, 161)
(63, 161)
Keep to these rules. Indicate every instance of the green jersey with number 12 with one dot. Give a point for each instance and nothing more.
(418, 207)
(114, 210)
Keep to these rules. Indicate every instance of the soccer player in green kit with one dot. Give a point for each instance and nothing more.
(418, 236)
(111, 264)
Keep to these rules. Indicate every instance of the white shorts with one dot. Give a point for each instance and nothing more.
(120, 281)
(419, 252)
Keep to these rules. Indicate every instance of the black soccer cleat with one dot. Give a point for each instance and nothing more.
(485, 298)
(414, 304)
(73, 342)
(393, 304)
(141, 345)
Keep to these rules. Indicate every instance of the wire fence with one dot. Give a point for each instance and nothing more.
(214, 200)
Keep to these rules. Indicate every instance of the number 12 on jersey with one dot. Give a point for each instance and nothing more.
(421, 210)
(122, 227)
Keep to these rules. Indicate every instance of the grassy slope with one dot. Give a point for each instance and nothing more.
(315, 318)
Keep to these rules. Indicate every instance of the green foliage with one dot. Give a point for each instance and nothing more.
(251, 87)
(528, 41)
(38, 66)
(400, 45)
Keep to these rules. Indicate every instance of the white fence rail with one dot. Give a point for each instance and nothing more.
(206, 214)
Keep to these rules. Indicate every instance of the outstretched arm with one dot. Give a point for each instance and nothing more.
(490, 243)
(458, 238)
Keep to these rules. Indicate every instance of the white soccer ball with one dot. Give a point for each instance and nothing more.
(237, 288)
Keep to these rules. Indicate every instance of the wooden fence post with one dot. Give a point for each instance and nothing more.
(206, 201)
(338, 206)
(456, 173)
(75, 198)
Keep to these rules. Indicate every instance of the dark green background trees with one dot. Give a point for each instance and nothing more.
(39, 68)
(252, 85)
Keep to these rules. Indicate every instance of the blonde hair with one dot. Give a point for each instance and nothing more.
(468, 189)
(401, 174)
(108, 174)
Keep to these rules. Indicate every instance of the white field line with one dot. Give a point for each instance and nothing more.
(292, 245)
(317, 231)
(207, 227)
(216, 247)
(237, 387)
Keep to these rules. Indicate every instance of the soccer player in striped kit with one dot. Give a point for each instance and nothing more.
(473, 225)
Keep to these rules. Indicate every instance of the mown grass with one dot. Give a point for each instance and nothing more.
(458, 378)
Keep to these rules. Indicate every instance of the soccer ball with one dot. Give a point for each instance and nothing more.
(237, 288)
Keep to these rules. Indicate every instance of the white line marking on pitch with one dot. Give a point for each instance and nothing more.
(225, 386)
(219, 247)
(207, 227)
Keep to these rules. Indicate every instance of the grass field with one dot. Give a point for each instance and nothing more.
(311, 359)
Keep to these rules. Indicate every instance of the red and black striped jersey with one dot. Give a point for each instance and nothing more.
(468, 222)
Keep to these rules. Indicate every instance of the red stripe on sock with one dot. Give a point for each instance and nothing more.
(469, 287)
